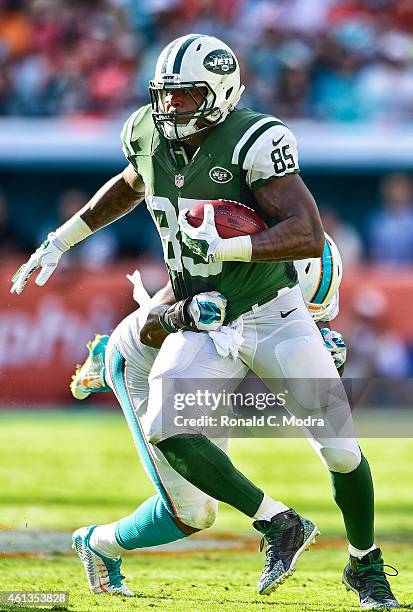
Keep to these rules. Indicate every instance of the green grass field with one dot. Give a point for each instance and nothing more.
(62, 470)
(216, 581)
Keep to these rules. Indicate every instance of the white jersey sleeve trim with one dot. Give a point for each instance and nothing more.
(247, 135)
(273, 154)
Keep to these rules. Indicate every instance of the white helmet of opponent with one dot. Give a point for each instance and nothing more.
(195, 62)
(319, 278)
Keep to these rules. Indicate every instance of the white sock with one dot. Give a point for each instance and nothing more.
(355, 552)
(268, 508)
(103, 540)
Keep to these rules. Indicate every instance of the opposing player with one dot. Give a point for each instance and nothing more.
(191, 145)
(319, 280)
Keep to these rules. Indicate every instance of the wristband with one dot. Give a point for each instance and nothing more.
(233, 249)
(176, 317)
(70, 233)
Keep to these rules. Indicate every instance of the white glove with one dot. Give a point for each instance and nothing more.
(46, 257)
(207, 310)
(202, 240)
(334, 342)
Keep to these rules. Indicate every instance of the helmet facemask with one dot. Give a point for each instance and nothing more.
(181, 125)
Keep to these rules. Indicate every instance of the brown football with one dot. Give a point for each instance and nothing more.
(231, 218)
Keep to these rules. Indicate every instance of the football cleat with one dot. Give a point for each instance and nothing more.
(90, 377)
(367, 578)
(103, 574)
(287, 535)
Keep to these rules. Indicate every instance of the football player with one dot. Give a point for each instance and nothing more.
(177, 501)
(190, 145)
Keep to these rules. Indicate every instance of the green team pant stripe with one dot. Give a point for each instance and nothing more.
(253, 138)
(251, 130)
(181, 52)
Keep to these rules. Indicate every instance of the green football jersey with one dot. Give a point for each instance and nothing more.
(236, 158)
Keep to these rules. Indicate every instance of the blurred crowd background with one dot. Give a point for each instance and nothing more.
(348, 63)
(334, 60)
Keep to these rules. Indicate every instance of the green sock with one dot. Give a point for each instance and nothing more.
(354, 495)
(209, 469)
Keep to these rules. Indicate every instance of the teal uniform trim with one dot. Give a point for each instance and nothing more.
(326, 277)
(117, 372)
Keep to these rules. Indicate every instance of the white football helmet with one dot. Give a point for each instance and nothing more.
(319, 278)
(200, 62)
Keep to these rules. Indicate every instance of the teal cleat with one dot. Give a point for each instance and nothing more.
(90, 377)
(103, 574)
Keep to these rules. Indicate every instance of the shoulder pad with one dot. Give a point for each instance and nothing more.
(258, 124)
(137, 133)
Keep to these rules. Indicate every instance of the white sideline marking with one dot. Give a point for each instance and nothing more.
(30, 541)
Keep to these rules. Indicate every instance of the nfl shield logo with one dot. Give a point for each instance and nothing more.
(179, 180)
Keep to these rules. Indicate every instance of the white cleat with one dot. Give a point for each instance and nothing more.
(103, 574)
(90, 377)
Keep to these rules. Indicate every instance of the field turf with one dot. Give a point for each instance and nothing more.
(216, 581)
(65, 469)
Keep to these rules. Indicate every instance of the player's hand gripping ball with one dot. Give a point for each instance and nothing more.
(205, 225)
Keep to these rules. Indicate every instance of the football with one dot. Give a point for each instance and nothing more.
(231, 218)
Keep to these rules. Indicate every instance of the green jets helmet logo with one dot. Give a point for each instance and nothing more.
(220, 61)
(220, 175)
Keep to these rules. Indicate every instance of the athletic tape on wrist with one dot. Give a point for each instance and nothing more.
(73, 231)
(234, 249)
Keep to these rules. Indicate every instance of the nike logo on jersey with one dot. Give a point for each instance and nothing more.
(285, 314)
(275, 143)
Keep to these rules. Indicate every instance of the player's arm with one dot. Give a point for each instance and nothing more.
(271, 165)
(114, 199)
(203, 312)
(298, 233)
(152, 333)
(272, 170)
